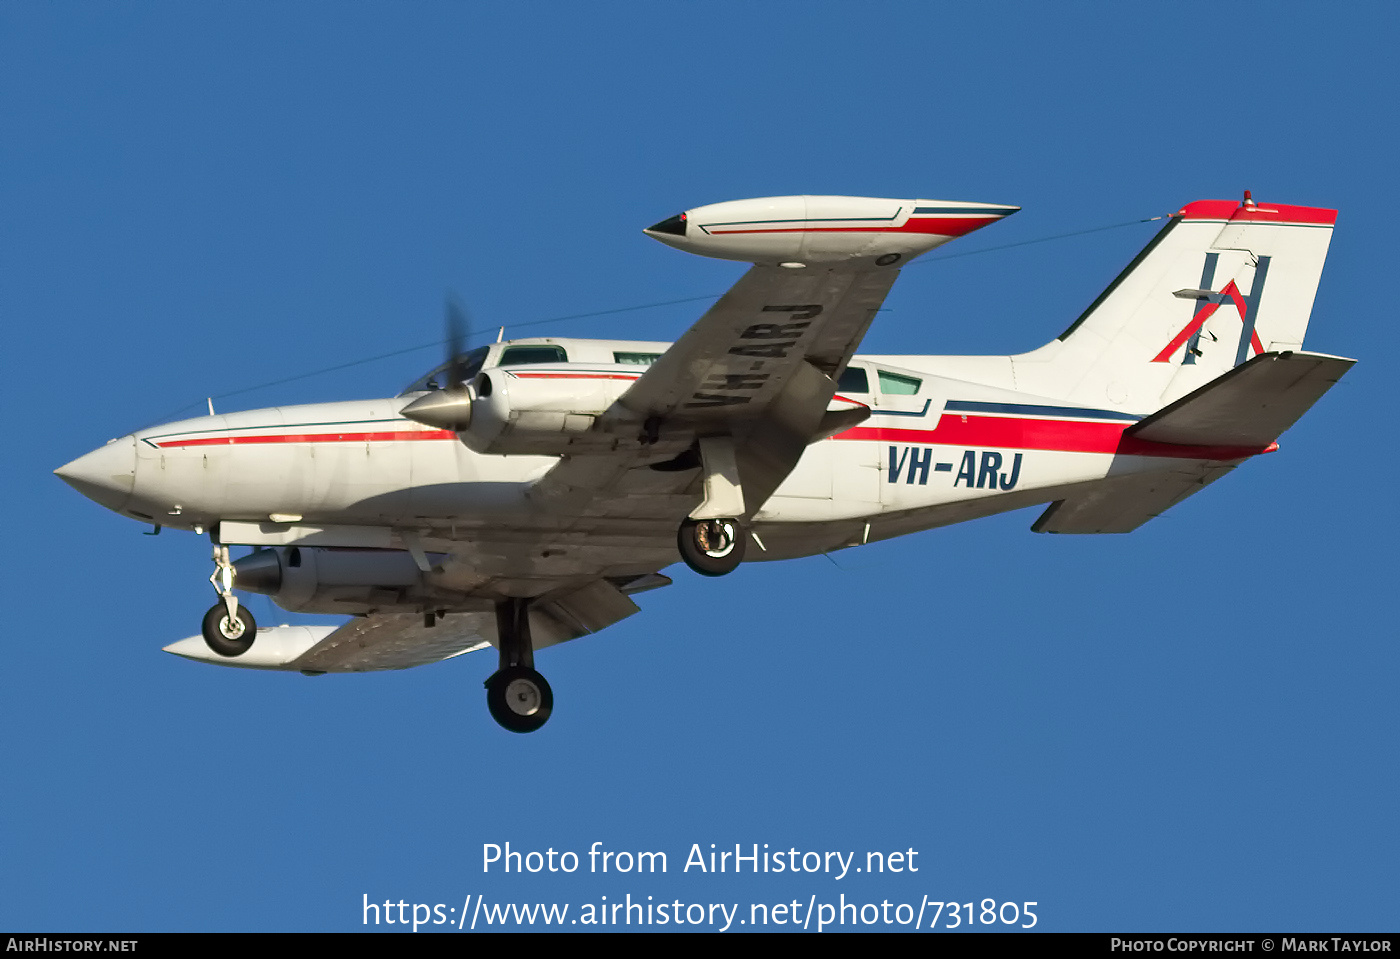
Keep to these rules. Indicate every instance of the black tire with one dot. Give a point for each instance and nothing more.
(712, 547)
(229, 639)
(519, 699)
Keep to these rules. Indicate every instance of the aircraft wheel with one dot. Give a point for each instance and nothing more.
(711, 547)
(229, 637)
(519, 699)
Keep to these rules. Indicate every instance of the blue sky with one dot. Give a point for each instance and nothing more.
(1190, 727)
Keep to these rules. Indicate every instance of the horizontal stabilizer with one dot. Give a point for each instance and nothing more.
(1244, 409)
(1122, 505)
(1250, 406)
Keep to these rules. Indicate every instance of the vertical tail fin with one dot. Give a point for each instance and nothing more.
(1221, 283)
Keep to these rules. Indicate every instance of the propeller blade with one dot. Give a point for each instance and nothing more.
(449, 408)
(458, 331)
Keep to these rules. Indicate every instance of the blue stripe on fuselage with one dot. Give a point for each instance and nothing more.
(1030, 409)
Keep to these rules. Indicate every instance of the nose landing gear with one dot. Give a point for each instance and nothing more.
(518, 697)
(229, 629)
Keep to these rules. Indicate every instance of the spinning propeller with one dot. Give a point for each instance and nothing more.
(449, 408)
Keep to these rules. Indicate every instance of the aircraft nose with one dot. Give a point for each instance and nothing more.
(106, 475)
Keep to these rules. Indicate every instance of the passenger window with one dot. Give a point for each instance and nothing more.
(853, 380)
(528, 355)
(893, 383)
(636, 359)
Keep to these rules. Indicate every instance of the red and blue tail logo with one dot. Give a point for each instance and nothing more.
(1246, 304)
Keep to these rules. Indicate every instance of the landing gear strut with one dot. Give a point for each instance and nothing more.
(229, 629)
(518, 697)
(711, 547)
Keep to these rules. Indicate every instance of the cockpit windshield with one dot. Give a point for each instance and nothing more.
(436, 379)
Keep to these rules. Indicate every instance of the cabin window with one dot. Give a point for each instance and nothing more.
(636, 359)
(853, 380)
(893, 383)
(529, 355)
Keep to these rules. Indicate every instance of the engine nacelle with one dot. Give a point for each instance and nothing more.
(551, 411)
(801, 231)
(325, 579)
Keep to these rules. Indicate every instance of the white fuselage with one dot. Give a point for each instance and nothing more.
(930, 441)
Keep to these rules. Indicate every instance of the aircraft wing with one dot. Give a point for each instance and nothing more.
(401, 640)
(396, 641)
(744, 391)
(759, 368)
(382, 641)
(364, 644)
(747, 349)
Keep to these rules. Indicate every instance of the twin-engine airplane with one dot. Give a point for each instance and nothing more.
(521, 494)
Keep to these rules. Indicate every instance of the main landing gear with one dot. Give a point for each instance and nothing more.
(711, 547)
(229, 629)
(711, 542)
(518, 697)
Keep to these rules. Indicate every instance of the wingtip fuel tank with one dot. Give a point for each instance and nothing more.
(277, 647)
(797, 231)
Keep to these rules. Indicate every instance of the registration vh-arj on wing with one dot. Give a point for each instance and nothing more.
(521, 494)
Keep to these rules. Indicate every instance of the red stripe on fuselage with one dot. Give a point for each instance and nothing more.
(1066, 436)
(986, 432)
(394, 436)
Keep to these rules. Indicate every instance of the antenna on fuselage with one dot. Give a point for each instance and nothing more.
(210, 401)
(501, 335)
